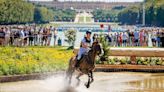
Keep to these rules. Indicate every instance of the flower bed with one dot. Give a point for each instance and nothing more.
(139, 61)
(14, 60)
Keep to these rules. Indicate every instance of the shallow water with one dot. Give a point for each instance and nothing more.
(104, 82)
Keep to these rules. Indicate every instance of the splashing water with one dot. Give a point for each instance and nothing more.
(104, 82)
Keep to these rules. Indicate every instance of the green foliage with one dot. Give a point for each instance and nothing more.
(105, 15)
(20, 11)
(71, 36)
(154, 13)
(129, 15)
(105, 46)
(42, 15)
(64, 15)
(16, 11)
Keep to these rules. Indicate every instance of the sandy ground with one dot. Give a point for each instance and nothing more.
(104, 82)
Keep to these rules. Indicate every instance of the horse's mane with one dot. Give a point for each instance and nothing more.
(89, 56)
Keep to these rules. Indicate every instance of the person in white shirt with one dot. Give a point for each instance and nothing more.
(7, 36)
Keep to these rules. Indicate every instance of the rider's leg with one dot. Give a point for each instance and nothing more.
(78, 59)
(80, 53)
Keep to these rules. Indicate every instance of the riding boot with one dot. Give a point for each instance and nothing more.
(77, 63)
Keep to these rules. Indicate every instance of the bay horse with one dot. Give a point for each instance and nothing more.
(86, 66)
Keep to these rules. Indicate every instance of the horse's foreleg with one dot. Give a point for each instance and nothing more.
(88, 83)
(92, 79)
(78, 78)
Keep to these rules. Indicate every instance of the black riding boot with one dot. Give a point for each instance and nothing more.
(77, 63)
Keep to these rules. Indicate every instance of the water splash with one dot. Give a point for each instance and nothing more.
(104, 82)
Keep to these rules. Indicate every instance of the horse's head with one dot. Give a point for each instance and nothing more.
(96, 46)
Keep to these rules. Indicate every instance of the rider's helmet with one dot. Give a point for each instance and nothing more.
(88, 32)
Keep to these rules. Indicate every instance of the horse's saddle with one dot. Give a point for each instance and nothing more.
(85, 55)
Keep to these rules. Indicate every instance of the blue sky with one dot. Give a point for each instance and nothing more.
(96, 0)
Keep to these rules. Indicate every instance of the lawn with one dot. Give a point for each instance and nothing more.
(15, 60)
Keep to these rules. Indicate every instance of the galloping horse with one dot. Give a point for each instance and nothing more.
(87, 64)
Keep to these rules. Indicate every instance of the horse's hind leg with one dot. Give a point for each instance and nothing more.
(70, 71)
(78, 78)
(69, 74)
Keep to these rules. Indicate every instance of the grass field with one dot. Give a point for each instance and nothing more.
(14, 60)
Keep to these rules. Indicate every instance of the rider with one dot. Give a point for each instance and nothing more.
(84, 47)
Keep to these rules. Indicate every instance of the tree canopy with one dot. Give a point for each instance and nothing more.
(154, 14)
(20, 11)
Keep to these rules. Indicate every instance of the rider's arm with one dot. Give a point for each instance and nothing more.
(84, 44)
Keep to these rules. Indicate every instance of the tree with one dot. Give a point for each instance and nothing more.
(105, 46)
(71, 37)
(129, 15)
(15, 11)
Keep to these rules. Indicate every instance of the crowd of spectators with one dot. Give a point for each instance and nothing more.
(27, 35)
(33, 35)
(135, 38)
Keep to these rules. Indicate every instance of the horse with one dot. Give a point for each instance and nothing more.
(87, 64)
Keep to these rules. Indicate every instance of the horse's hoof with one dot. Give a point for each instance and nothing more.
(87, 86)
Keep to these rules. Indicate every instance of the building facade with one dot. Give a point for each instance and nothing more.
(84, 5)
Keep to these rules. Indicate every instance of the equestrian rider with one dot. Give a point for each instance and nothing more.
(84, 47)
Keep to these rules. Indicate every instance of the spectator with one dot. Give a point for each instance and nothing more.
(150, 44)
(146, 37)
(7, 36)
(40, 35)
(16, 38)
(141, 36)
(2, 36)
(11, 42)
(26, 34)
(136, 38)
(35, 33)
(30, 37)
(94, 37)
(55, 36)
(44, 40)
(22, 36)
(162, 38)
(125, 37)
(158, 39)
(120, 40)
(115, 40)
(49, 35)
(130, 37)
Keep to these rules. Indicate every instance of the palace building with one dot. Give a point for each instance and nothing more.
(84, 5)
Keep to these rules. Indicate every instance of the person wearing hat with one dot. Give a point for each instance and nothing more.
(84, 47)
